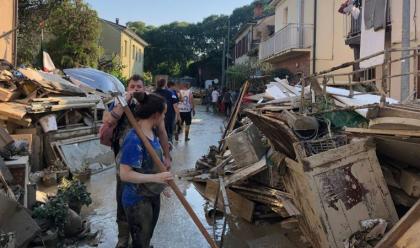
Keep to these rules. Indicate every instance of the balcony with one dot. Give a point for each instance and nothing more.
(291, 38)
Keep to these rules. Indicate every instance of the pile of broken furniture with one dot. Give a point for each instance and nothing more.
(48, 129)
(344, 167)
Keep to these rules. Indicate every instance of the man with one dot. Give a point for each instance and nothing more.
(172, 112)
(187, 110)
(214, 99)
(227, 102)
(112, 133)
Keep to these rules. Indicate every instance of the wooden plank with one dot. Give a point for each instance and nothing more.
(391, 111)
(8, 95)
(233, 117)
(239, 205)
(395, 123)
(245, 172)
(226, 205)
(406, 232)
(13, 110)
(5, 138)
(335, 154)
(383, 132)
(410, 182)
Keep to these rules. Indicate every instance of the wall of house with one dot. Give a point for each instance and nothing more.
(7, 23)
(110, 40)
(132, 55)
(396, 38)
(330, 47)
(280, 19)
(261, 31)
(296, 65)
(244, 58)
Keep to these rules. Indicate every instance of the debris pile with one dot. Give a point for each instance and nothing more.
(48, 131)
(342, 164)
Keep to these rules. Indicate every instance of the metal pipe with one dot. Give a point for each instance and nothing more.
(405, 64)
(314, 37)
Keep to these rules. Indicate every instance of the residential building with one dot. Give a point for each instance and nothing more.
(251, 34)
(308, 37)
(8, 20)
(387, 37)
(118, 40)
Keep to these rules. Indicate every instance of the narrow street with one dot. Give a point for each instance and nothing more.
(175, 228)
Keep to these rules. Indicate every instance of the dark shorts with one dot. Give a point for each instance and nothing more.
(186, 117)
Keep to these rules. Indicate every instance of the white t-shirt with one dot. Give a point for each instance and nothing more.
(185, 101)
(215, 96)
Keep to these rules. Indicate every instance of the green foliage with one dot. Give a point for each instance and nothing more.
(148, 78)
(74, 191)
(71, 32)
(114, 67)
(241, 72)
(32, 14)
(176, 46)
(74, 29)
(54, 210)
(282, 73)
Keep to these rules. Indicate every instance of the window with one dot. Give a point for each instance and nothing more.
(125, 49)
(285, 15)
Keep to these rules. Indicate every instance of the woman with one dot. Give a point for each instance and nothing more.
(142, 182)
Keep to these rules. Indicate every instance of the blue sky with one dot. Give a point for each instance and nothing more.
(158, 12)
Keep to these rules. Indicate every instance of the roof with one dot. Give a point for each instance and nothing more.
(126, 30)
(273, 2)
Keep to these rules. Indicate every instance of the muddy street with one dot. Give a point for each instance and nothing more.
(175, 228)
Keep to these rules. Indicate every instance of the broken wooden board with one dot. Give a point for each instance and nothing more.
(404, 151)
(393, 111)
(14, 218)
(13, 110)
(395, 123)
(408, 133)
(336, 190)
(52, 82)
(5, 138)
(245, 172)
(410, 182)
(8, 95)
(239, 205)
(405, 233)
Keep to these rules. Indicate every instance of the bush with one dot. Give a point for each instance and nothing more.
(74, 191)
(54, 210)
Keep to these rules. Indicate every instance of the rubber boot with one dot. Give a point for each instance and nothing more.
(123, 235)
(187, 132)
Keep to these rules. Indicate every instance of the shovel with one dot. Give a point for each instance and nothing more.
(162, 168)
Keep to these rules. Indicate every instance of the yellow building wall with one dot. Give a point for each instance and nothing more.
(132, 56)
(330, 47)
(110, 40)
(7, 23)
(280, 19)
(396, 38)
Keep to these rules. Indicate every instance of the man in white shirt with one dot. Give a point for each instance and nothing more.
(186, 109)
(214, 99)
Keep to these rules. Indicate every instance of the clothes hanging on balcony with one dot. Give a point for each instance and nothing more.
(375, 13)
(350, 7)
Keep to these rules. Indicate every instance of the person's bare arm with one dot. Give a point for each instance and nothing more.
(163, 137)
(176, 111)
(192, 103)
(127, 174)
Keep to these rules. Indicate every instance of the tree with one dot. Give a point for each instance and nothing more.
(32, 15)
(74, 33)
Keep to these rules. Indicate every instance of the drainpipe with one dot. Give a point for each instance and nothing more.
(300, 22)
(405, 64)
(15, 33)
(314, 37)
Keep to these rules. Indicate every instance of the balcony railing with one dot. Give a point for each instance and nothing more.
(292, 36)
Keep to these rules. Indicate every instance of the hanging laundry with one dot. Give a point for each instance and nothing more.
(375, 13)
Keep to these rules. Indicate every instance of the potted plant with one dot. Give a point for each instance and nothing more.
(54, 210)
(74, 193)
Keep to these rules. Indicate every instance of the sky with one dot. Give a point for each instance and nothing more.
(158, 12)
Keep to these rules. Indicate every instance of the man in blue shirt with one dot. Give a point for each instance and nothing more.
(172, 112)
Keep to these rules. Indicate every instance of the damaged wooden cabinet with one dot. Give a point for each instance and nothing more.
(335, 190)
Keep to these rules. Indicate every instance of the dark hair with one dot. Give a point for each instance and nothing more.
(148, 106)
(161, 83)
(171, 83)
(135, 77)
